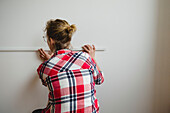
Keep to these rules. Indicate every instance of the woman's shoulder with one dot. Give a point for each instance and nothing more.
(85, 54)
(57, 58)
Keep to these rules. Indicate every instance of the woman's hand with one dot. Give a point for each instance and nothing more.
(89, 49)
(43, 55)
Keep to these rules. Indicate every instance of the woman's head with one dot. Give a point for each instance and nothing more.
(59, 34)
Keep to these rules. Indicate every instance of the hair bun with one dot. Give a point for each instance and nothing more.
(71, 29)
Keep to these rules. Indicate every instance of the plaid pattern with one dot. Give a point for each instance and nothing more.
(70, 77)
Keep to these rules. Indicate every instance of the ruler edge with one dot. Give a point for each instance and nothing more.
(35, 49)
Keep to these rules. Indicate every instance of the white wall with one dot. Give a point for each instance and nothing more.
(126, 28)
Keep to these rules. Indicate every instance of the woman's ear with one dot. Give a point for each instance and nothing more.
(51, 44)
(51, 41)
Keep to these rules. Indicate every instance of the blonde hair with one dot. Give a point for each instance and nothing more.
(61, 32)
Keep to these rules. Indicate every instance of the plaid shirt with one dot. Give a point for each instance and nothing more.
(70, 77)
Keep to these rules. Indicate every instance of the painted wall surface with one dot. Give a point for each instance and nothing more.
(127, 29)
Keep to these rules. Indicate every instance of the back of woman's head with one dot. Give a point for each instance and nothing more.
(61, 32)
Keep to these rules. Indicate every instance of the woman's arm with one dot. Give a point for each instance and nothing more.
(97, 64)
(98, 75)
(91, 51)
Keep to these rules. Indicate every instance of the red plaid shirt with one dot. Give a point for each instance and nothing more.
(71, 77)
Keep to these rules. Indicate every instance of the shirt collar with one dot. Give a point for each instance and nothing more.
(61, 51)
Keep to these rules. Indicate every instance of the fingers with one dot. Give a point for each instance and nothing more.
(42, 52)
(42, 57)
(85, 48)
(89, 47)
(94, 47)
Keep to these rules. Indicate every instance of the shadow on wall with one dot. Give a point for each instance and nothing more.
(162, 67)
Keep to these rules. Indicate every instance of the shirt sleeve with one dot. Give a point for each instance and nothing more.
(40, 71)
(98, 75)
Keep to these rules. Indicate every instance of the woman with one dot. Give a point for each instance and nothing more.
(69, 75)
